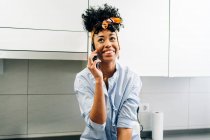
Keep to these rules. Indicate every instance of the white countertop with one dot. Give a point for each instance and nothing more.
(200, 136)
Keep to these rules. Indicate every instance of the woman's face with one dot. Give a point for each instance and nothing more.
(107, 46)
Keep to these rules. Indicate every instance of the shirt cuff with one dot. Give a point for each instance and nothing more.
(96, 126)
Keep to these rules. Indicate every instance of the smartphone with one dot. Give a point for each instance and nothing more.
(95, 57)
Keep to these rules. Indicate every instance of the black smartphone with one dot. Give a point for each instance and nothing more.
(95, 57)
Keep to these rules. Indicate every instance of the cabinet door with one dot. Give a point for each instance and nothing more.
(39, 40)
(42, 44)
(144, 38)
(190, 33)
(43, 14)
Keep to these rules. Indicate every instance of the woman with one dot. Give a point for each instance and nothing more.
(108, 94)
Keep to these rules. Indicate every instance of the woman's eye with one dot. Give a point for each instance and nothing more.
(101, 40)
(112, 38)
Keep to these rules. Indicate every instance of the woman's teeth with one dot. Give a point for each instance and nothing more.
(108, 52)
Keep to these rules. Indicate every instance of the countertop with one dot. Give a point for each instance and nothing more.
(185, 136)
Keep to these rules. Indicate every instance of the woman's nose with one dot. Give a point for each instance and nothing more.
(107, 44)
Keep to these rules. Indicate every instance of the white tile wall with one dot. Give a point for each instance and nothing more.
(36, 97)
(14, 78)
(198, 85)
(168, 95)
(174, 107)
(184, 101)
(199, 110)
(13, 114)
(165, 85)
(54, 114)
(52, 77)
(1, 67)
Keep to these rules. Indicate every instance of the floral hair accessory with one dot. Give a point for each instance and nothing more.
(105, 23)
(111, 20)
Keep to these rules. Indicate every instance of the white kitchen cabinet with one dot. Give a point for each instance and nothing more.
(37, 29)
(43, 14)
(189, 38)
(144, 38)
(42, 44)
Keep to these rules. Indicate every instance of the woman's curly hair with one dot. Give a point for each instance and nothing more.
(93, 18)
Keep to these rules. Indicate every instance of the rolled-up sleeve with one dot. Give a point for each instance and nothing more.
(85, 95)
(128, 113)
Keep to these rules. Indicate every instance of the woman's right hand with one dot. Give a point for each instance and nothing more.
(97, 73)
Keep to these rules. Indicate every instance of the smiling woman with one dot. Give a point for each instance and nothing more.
(108, 95)
(106, 45)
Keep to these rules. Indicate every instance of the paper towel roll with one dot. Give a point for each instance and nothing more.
(157, 126)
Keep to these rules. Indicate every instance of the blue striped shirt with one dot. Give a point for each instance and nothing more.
(122, 101)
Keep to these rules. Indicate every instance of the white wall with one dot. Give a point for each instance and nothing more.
(184, 101)
(36, 97)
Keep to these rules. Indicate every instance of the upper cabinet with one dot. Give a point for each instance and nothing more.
(42, 44)
(43, 14)
(190, 38)
(144, 38)
(158, 39)
(165, 39)
(39, 40)
(37, 29)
